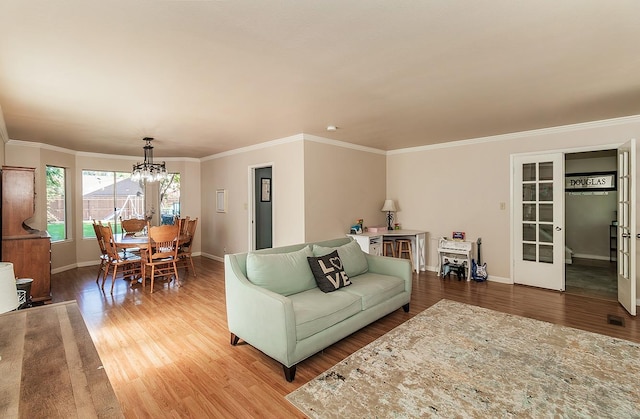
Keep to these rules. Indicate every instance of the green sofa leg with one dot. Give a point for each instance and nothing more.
(289, 372)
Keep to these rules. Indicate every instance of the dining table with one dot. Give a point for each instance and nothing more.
(126, 241)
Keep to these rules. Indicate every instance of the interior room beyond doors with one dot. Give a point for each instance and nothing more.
(263, 199)
(590, 229)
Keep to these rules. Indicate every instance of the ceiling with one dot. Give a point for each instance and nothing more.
(204, 77)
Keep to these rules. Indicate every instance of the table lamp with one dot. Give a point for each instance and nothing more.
(8, 290)
(389, 207)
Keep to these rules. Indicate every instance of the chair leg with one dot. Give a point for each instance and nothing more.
(153, 274)
(192, 267)
(105, 274)
(100, 270)
(175, 271)
(113, 277)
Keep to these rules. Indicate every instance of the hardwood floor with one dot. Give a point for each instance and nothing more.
(167, 354)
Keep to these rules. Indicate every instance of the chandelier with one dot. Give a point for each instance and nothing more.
(148, 170)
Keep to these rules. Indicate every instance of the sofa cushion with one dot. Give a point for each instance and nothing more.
(328, 272)
(284, 273)
(375, 288)
(315, 310)
(352, 256)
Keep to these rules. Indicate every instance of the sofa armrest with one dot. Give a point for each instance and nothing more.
(384, 265)
(262, 318)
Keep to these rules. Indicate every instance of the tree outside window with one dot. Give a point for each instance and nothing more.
(56, 203)
(170, 198)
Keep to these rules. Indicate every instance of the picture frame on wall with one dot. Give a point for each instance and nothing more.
(265, 189)
(221, 200)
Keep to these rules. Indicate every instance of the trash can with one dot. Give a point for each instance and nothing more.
(24, 292)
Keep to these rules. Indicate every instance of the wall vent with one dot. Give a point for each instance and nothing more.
(615, 320)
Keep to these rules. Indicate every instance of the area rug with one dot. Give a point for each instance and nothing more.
(459, 360)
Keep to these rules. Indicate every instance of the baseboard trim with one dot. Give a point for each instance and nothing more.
(594, 257)
(214, 257)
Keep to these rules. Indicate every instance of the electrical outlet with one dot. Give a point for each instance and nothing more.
(225, 250)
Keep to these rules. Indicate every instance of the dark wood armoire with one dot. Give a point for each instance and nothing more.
(28, 249)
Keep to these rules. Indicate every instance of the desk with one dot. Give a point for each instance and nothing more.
(50, 366)
(372, 243)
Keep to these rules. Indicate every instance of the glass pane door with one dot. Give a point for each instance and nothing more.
(537, 211)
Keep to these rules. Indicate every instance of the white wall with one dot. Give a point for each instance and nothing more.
(460, 186)
(342, 185)
(320, 188)
(229, 232)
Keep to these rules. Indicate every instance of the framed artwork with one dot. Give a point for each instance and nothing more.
(221, 200)
(265, 189)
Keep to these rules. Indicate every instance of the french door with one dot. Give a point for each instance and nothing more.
(627, 226)
(538, 220)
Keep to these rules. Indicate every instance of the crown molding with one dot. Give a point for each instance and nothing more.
(90, 154)
(267, 144)
(337, 143)
(522, 134)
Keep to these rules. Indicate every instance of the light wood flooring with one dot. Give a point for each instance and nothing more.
(167, 354)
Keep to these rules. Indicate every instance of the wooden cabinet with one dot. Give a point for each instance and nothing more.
(28, 249)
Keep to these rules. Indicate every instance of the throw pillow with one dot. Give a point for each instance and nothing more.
(355, 262)
(329, 272)
(284, 273)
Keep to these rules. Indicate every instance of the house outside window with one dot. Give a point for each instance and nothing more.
(109, 196)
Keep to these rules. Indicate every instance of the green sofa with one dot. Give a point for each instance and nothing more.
(273, 306)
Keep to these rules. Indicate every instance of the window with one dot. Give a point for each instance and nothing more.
(107, 196)
(169, 198)
(56, 203)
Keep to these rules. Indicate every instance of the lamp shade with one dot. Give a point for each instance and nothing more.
(389, 205)
(8, 290)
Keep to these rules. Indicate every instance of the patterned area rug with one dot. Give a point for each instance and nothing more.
(459, 360)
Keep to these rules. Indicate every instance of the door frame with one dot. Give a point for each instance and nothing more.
(251, 202)
(512, 157)
(536, 272)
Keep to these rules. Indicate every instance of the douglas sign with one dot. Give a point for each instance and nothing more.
(590, 181)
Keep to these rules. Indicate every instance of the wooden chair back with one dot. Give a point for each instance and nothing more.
(191, 227)
(163, 241)
(133, 225)
(98, 231)
(107, 238)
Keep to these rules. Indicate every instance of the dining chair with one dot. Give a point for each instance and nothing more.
(104, 257)
(184, 251)
(131, 264)
(161, 255)
(132, 225)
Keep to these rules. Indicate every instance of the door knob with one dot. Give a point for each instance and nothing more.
(626, 235)
(558, 228)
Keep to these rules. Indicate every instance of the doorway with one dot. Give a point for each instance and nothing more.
(538, 218)
(590, 224)
(263, 207)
